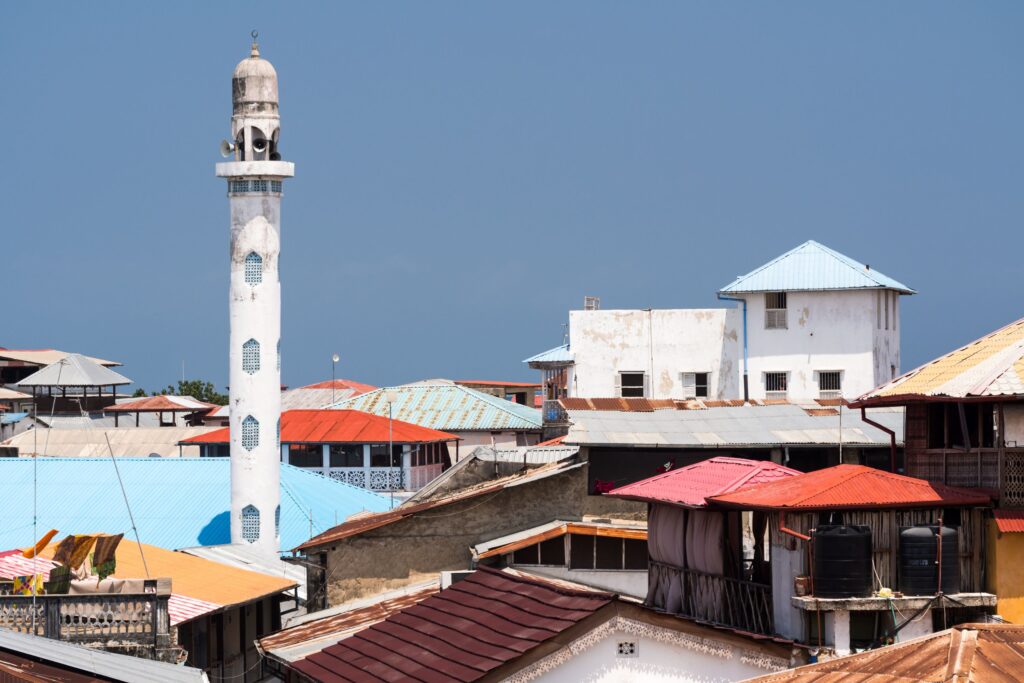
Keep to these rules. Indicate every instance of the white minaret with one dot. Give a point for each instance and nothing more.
(254, 192)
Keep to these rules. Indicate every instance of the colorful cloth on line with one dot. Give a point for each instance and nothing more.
(28, 585)
(40, 544)
(104, 561)
(73, 550)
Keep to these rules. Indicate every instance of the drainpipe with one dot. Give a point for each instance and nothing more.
(746, 363)
(892, 437)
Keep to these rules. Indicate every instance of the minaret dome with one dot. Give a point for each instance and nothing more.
(255, 120)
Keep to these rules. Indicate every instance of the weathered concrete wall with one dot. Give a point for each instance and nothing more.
(419, 547)
(661, 343)
(1013, 414)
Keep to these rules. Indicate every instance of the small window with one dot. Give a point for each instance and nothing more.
(830, 384)
(250, 523)
(253, 268)
(581, 551)
(775, 311)
(379, 456)
(636, 554)
(250, 433)
(306, 455)
(346, 455)
(275, 186)
(695, 384)
(528, 555)
(776, 384)
(251, 357)
(552, 551)
(608, 552)
(632, 384)
(258, 185)
(277, 521)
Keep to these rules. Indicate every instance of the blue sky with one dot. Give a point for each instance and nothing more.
(467, 172)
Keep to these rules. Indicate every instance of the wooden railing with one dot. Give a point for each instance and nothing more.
(135, 623)
(721, 600)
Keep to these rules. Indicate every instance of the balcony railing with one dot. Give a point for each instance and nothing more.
(996, 469)
(131, 623)
(373, 478)
(721, 600)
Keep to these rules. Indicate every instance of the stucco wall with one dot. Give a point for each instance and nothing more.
(826, 331)
(605, 343)
(1013, 414)
(1004, 568)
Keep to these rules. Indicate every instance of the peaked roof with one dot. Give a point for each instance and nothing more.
(338, 426)
(854, 487)
(559, 354)
(74, 370)
(689, 486)
(176, 502)
(461, 633)
(44, 356)
(812, 267)
(445, 405)
(164, 403)
(358, 387)
(968, 653)
(990, 366)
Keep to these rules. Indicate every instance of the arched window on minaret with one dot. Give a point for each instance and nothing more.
(277, 521)
(250, 523)
(251, 357)
(253, 268)
(250, 433)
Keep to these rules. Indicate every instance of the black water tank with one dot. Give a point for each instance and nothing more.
(842, 561)
(919, 560)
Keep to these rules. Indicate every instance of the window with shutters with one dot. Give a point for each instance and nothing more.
(775, 311)
(632, 384)
(251, 357)
(776, 384)
(696, 384)
(250, 433)
(250, 523)
(253, 268)
(830, 384)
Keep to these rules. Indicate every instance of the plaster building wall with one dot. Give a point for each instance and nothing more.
(1013, 416)
(661, 343)
(825, 331)
(1004, 564)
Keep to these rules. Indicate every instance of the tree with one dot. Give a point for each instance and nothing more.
(199, 390)
(140, 393)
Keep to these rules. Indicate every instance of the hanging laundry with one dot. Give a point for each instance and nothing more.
(73, 550)
(60, 580)
(40, 544)
(28, 585)
(104, 559)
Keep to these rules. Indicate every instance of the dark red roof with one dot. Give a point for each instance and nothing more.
(850, 487)
(689, 486)
(338, 426)
(1009, 521)
(460, 634)
(357, 387)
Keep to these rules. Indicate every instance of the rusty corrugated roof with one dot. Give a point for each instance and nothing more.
(855, 487)
(969, 653)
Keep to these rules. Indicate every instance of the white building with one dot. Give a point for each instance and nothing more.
(807, 325)
(255, 179)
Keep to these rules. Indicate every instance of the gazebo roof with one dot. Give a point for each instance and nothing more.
(74, 370)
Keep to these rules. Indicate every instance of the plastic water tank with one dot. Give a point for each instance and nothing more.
(842, 561)
(919, 560)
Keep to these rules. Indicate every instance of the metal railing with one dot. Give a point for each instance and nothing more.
(722, 600)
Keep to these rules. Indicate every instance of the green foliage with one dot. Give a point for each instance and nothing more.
(140, 393)
(199, 390)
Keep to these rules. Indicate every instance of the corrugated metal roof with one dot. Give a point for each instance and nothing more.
(12, 395)
(442, 404)
(45, 356)
(132, 442)
(363, 523)
(156, 404)
(968, 653)
(1009, 521)
(689, 486)
(322, 394)
(177, 502)
(245, 556)
(326, 627)
(74, 370)
(559, 354)
(730, 427)
(849, 487)
(461, 633)
(107, 665)
(812, 267)
(990, 366)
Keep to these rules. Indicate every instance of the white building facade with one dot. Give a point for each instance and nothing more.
(255, 178)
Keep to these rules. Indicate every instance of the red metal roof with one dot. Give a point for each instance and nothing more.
(338, 426)
(557, 441)
(357, 387)
(460, 634)
(689, 486)
(167, 404)
(850, 487)
(1009, 521)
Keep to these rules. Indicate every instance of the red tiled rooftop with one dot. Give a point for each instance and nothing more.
(1009, 521)
(850, 487)
(460, 634)
(338, 426)
(168, 404)
(689, 486)
(357, 387)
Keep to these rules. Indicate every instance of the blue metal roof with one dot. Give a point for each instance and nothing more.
(442, 404)
(812, 267)
(177, 502)
(11, 418)
(559, 354)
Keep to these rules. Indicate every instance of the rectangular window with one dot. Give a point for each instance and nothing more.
(636, 554)
(632, 384)
(581, 552)
(830, 384)
(275, 186)
(379, 456)
(346, 455)
(696, 384)
(776, 384)
(775, 311)
(306, 455)
(528, 555)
